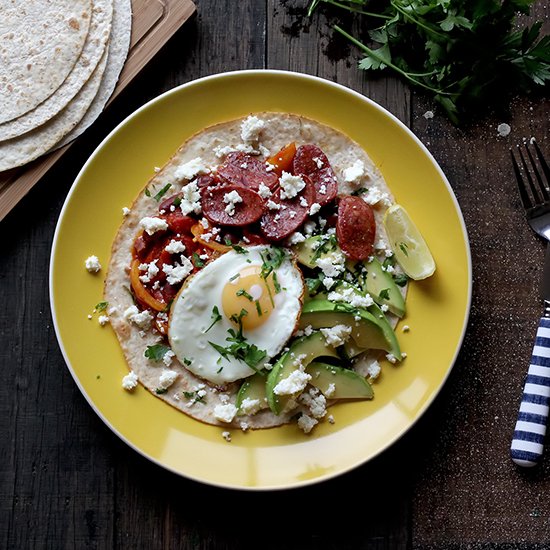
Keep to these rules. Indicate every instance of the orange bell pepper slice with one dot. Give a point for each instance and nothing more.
(142, 294)
(282, 161)
(198, 230)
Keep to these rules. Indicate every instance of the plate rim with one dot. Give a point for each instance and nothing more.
(324, 82)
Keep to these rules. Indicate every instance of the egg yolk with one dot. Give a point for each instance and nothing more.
(250, 292)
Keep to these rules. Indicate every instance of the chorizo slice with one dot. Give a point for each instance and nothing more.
(246, 171)
(232, 205)
(310, 160)
(288, 215)
(355, 228)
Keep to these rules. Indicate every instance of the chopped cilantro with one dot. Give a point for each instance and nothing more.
(401, 280)
(239, 249)
(219, 370)
(258, 308)
(276, 283)
(361, 191)
(176, 202)
(236, 276)
(160, 391)
(313, 285)
(243, 292)
(384, 294)
(328, 244)
(162, 192)
(197, 262)
(189, 394)
(388, 261)
(215, 317)
(403, 247)
(156, 352)
(101, 306)
(187, 361)
(147, 192)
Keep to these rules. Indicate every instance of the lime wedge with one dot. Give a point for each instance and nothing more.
(408, 245)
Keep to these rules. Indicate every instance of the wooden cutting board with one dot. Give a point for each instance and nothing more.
(153, 23)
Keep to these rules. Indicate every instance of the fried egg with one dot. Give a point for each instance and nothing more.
(236, 294)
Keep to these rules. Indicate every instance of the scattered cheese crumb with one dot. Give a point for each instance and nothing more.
(264, 191)
(177, 272)
(152, 225)
(130, 381)
(315, 402)
(227, 436)
(225, 413)
(250, 406)
(306, 423)
(167, 378)
(330, 418)
(175, 247)
(140, 319)
(374, 369)
(151, 270)
(103, 320)
(251, 128)
(314, 208)
(336, 335)
(290, 185)
(231, 199)
(330, 390)
(292, 384)
(189, 170)
(125, 211)
(391, 358)
(384, 307)
(296, 238)
(92, 264)
(406, 328)
(355, 172)
(168, 356)
(190, 200)
(272, 205)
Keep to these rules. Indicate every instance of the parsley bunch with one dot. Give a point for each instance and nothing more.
(466, 53)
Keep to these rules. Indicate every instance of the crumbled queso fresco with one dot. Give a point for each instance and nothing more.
(92, 264)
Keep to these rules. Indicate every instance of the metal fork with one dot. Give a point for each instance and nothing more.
(533, 179)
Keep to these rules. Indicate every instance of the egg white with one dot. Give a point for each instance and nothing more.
(191, 315)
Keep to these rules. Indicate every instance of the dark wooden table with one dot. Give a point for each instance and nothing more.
(68, 482)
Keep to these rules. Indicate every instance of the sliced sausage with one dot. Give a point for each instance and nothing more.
(355, 228)
(311, 161)
(242, 169)
(277, 224)
(218, 207)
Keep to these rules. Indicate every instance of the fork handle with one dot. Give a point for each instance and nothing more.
(528, 439)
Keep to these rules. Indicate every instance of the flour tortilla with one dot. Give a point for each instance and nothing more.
(92, 52)
(40, 42)
(119, 45)
(280, 129)
(31, 145)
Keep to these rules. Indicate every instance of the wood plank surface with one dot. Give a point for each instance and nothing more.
(67, 482)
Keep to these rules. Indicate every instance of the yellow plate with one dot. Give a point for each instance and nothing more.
(281, 457)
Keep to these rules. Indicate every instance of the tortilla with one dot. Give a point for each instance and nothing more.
(31, 145)
(119, 45)
(92, 53)
(40, 42)
(280, 129)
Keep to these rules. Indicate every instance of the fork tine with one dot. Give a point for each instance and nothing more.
(534, 191)
(543, 163)
(526, 201)
(536, 171)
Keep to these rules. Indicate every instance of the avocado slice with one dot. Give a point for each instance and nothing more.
(368, 332)
(252, 388)
(307, 252)
(311, 346)
(347, 383)
(379, 281)
(351, 349)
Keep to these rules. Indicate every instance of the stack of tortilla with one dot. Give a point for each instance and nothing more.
(59, 63)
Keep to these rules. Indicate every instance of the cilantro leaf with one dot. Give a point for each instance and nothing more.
(214, 317)
(162, 192)
(101, 306)
(156, 352)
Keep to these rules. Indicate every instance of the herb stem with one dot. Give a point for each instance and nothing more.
(416, 21)
(389, 64)
(353, 9)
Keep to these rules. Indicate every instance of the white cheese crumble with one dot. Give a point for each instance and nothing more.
(336, 335)
(227, 436)
(167, 358)
(264, 191)
(315, 402)
(290, 185)
(292, 384)
(177, 272)
(189, 170)
(130, 381)
(273, 205)
(224, 150)
(332, 265)
(318, 162)
(355, 172)
(406, 328)
(92, 264)
(374, 369)
(125, 211)
(174, 247)
(250, 406)
(330, 390)
(140, 319)
(391, 358)
(251, 128)
(350, 296)
(330, 419)
(314, 208)
(296, 238)
(384, 307)
(231, 199)
(152, 225)
(504, 129)
(190, 200)
(306, 423)
(151, 270)
(225, 413)
(103, 320)
(328, 282)
(167, 378)
(374, 196)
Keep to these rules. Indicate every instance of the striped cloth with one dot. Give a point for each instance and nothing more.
(528, 439)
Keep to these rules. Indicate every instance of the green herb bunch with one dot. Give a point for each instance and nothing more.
(468, 54)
